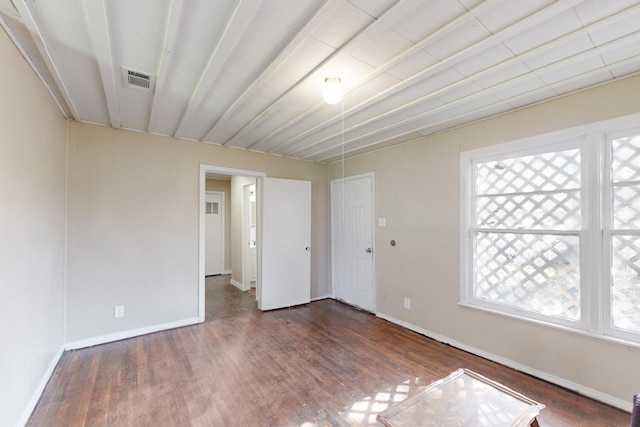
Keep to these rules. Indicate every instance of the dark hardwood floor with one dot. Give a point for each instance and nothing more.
(322, 364)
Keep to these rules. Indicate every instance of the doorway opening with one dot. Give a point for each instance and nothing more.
(249, 238)
(236, 253)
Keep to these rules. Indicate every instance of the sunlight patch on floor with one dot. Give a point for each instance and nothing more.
(364, 412)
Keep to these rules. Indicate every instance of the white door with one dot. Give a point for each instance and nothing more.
(285, 246)
(352, 240)
(214, 234)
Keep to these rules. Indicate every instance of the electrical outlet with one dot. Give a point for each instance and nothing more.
(407, 303)
(118, 311)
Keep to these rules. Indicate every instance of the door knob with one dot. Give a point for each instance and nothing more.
(307, 248)
(369, 250)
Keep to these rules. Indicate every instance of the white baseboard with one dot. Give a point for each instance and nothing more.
(91, 342)
(562, 382)
(40, 389)
(117, 336)
(227, 272)
(321, 298)
(237, 284)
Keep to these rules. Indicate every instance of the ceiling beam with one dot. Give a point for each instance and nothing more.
(528, 22)
(48, 84)
(316, 19)
(177, 10)
(472, 13)
(612, 45)
(99, 16)
(470, 98)
(236, 24)
(332, 158)
(41, 44)
(348, 45)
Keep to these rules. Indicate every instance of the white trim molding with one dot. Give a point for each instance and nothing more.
(117, 336)
(37, 393)
(562, 382)
(237, 284)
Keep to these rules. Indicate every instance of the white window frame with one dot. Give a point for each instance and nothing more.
(594, 140)
(608, 232)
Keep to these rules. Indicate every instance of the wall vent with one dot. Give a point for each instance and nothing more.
(137, 80)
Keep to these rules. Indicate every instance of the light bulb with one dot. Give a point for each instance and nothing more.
(332, 92)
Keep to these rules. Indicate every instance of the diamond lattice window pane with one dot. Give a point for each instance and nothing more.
(625, 159)
(626, 207)
(625, 283)
(537, 273)
(542, 172)
(555, 211)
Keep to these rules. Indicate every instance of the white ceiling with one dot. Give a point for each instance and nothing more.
(249, 73)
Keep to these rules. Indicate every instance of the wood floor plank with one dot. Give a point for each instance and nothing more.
(317, 365)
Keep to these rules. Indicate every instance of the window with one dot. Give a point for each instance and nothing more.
(551, 230)
(624, 234)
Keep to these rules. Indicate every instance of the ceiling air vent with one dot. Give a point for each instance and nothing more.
(137, 80)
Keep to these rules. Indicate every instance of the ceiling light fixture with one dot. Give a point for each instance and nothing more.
(332, 92)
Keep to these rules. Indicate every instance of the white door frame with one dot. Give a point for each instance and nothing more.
(370, 175)
(246, 214)
(222, 225)
(201, 232)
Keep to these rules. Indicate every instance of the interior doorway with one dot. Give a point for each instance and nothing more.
(283, 233)
(249, 238)
(236, 250)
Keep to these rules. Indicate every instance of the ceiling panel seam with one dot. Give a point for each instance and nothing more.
(375, 73)
(171, 37)
(98, 22)
(340, 51)
(239, 19)
(326, 7)
(534, 73)
(527, 22)
(485, 92)
(472, 13)
(41, 45)
(61, 103)
(482, 108)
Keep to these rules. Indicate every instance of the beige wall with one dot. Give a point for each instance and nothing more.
(32, 227)
(417, 191)
(133, 226)
(225, 187)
